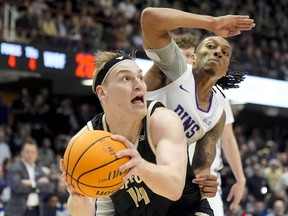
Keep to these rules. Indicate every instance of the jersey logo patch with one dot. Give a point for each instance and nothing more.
(181, 87)
(207, 121)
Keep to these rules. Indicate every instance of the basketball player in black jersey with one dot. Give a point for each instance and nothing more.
(153, 136)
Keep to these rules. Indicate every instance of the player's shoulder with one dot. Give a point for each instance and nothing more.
(79, 133)
(162, 116)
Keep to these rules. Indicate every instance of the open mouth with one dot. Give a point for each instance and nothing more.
(138, 99)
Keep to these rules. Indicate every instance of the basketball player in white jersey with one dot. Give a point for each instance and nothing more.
(190, 94)
(187, 44)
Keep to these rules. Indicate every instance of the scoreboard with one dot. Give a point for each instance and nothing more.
(45, 61)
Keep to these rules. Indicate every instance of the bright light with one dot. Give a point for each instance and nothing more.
(263, 91)
(255, 90)
(87, 82)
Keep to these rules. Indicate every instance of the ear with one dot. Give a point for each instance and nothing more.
(193, 58)
(100, 91)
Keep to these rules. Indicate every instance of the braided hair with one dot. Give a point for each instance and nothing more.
(233, 77)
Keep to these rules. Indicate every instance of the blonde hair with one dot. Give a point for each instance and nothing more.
(101, 58)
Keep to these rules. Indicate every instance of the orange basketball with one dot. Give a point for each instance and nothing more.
(91, 164)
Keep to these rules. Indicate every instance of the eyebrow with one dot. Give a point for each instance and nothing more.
(217, 42)
(127, 70)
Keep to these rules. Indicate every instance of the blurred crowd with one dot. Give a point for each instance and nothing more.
(105, 24)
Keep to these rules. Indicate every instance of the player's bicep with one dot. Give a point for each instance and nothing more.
(154, 78)
(168, 137)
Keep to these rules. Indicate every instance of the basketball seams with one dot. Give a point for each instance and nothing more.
(83, 153)
(79, 183)
(94, 175)
(98, 168)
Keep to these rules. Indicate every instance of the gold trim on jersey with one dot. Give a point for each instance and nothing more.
(151, 144)
(90, 126)
(104, 123)
(105, 127)
(136, 143)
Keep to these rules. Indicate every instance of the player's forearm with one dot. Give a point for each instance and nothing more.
(166, 19)
(204, 155)
(157, 22)
(154, 177)
(232, 154)
(205, 150)
(79, 206)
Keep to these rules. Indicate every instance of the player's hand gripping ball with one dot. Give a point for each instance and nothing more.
(92, 166)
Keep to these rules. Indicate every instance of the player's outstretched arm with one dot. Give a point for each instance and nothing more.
(232, 154)
(157, 22)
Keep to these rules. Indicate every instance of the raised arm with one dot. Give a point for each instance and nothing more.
(232, 154)
(157, 22)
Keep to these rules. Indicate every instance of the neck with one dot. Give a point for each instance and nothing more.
(126, 127)
(204, 87)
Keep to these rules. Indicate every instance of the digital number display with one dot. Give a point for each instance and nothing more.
(45, 61)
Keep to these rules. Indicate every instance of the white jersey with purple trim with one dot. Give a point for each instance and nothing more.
(181, 94)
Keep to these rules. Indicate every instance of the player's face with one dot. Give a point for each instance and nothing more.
(213, 57)
(29, 153)
(126, 89)
(188, 54)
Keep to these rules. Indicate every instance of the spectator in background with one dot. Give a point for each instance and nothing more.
(258, 185)
(39, 6)
(50, 205)
(28, 183)
(46, 153)
(129, 10)
(16, 140)
(4, 110)
(39, 118)
(273, 172)
(282, 183)
(5, 152)
(279, 208)
(84, 114)
(66, 119)
(91, 34)
(74, 32)
(27, 25)
(62, 194)
(48, 27)
(61, 26)
(21, 108)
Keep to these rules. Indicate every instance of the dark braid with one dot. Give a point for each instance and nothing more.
(231, 79)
